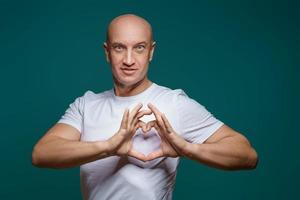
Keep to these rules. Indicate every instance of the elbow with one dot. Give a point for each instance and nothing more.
(36, 159)
(40, 159)
(252, 159)
(248, 161)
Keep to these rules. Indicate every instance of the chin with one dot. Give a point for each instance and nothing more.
(130, 81)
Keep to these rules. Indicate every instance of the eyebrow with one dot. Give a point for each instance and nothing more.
(121, 44)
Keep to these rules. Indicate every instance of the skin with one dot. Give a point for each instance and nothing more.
(130, 45)
(125, 34)
(226, 149)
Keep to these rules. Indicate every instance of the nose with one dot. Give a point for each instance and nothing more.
(128, 58)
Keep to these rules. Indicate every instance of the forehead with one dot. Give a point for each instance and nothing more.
(129, 33)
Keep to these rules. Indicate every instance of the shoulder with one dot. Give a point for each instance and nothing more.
(182, 102)
(90, 95)
(172, 95)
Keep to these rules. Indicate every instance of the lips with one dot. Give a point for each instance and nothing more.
(128, 68)
(128, 71)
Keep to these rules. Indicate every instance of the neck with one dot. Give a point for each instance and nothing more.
(131, 90)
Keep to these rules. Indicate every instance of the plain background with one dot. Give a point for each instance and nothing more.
(239, 59)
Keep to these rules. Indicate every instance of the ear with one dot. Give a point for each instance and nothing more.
(152, 50)
(106, 51)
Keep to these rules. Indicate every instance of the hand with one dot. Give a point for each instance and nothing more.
(121, 143)
(172, 145)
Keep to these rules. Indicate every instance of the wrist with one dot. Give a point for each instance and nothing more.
(104, 148)
(193, 150)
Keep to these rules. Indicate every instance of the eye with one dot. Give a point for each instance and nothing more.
(118, 48)
(140, 48)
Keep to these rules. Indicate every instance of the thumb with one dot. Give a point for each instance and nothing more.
(124, 122)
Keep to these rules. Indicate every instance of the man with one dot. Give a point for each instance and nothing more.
(126, 152)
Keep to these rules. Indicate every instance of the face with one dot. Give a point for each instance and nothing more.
(129, 50)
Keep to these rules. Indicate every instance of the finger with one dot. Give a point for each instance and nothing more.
(156, 154)
(134, 112)
(150, 125)
(139, 124)
(167, 124)
(124, 119)
(143, 112)
(137, 155)
(153, 109)
(157, 115)
(161, 125)
(140, 114)
(164, 137)
(159, 132)
(142, 125)
(136, 126)
(174, 139)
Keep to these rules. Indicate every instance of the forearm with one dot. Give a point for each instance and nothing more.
(63, 153)
(231, 153)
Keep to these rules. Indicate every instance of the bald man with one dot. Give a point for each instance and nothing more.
(128, 140)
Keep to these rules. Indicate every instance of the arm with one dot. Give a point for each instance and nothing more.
(225, 149)
(61, 148)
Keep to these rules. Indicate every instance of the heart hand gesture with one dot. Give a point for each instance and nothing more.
(172, 145)
(121, 143)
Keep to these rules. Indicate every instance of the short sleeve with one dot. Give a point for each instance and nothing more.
(196, 124)
(74, 114)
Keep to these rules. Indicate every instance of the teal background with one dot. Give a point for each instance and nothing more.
(240, 59)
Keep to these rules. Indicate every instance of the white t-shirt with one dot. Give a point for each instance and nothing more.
(98, 117)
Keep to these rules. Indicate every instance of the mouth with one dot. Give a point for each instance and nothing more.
(128, 71)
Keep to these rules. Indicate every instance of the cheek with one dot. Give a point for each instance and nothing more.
(143, 60)
(115, 58)
(115, 62)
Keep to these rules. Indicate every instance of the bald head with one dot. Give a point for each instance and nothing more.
(130, 25)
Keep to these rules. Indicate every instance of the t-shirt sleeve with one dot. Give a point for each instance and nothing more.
(196, 124)
(74, 114)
